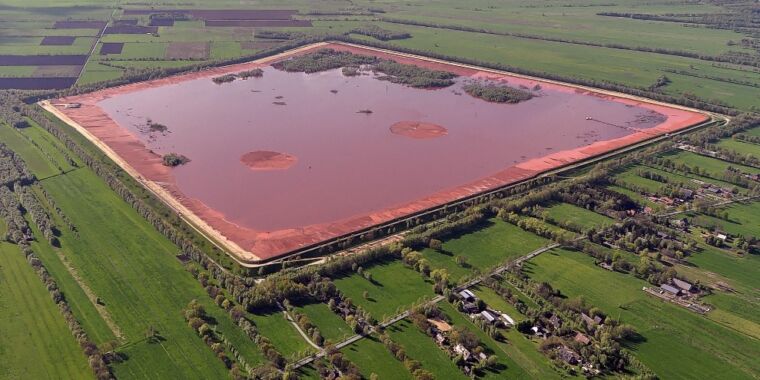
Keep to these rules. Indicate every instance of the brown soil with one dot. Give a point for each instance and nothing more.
(418, 130)
(267, 160)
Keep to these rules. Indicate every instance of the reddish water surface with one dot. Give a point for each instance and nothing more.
(350, 170)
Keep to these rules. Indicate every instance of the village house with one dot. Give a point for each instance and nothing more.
(488, 316)
(670, 289)
(683, 285)
(568, 356)
(470, 308)
(582, 338)
(464, 352)
(605, 265)
(555, 321)
(591, 322)
(507, 319)
(467, 295)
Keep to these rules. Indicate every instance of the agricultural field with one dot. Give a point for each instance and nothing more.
(740, 147)
(281, 333)
(423, 348)
(580, 218)
(712, 166)
(393, 287)
(676, 342)
(35, 340)
(382, 361)
(134, 299)
(492, 244)
(331, 326)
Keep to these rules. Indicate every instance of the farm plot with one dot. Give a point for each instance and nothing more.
(522, 349)
(714, 167)
(135, 274)
(331, 326)
(506, 367)
(392, 288)
(743, 219)
(371, 356)
(740, 147)
(676, 344)
(572, 215)
(281, 333)
(423, 348)
(494, 243)
(187, 50)
(36, 343)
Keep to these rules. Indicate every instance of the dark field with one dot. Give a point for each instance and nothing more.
(82, 24)
(58, 40)
(41, 60)
(32, 83)
(111, 48)
(131, 29)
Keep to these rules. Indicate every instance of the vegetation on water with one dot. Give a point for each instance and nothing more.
(497, 93)
(328, 59)
(323, 60)
(174, 159)
(379, 33)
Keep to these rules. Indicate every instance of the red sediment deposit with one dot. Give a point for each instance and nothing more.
(354, 164)
(418, 130)
(267, 160)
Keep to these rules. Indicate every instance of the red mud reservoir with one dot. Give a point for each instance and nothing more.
(291, 159)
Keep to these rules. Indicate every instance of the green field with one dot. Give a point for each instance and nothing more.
(740, 147)
(371, 356)
(331, 326)
(713, 166)
(577, 217)
(35, 161)
(484, 248)
(743, 219)
(676, 343)
(36, 343)
(281, 333)
(135, 275)
(421, 347)
(394, 287)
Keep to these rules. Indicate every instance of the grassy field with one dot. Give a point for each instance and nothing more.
(281, 333)
(135, 275)
(393, 288)
(496, 242)
(740, 147)
(713, 166)
(423, 348)
(371, 356)
(332, 327)
(37, 163)
(676, 343)
(36, 343)
(577, 216)
(742, 219)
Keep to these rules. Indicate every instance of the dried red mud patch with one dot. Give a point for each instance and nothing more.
(267, 160)
(418, 130)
